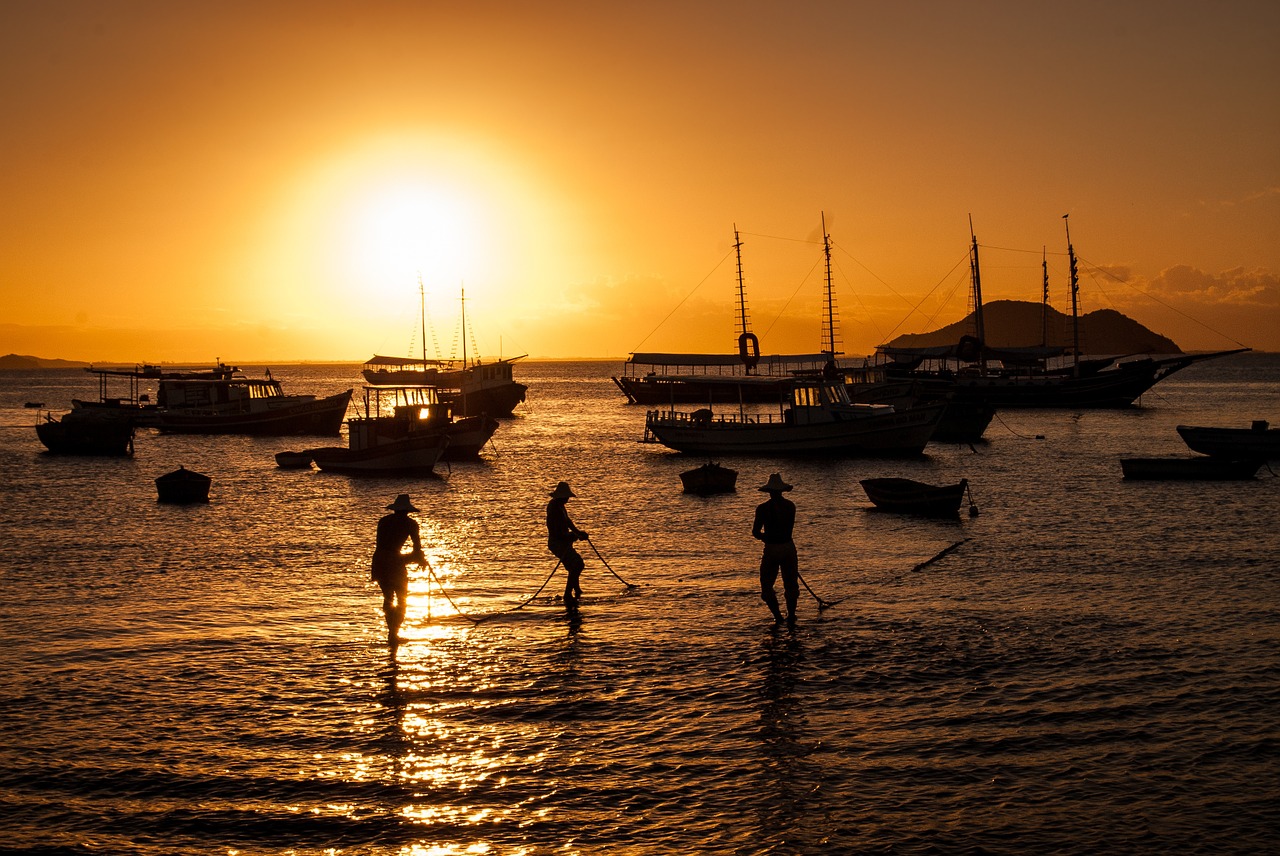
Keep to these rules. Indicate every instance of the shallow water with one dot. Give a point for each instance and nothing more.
(1094, 668)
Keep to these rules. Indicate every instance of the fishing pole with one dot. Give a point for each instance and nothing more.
(606, 564)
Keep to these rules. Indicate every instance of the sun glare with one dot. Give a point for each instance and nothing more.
(398, 230)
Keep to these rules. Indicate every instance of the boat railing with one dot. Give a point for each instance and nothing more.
(706, 418)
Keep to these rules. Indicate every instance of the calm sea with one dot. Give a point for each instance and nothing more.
(1095, 668)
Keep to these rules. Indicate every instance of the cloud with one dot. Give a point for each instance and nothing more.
(1237, 287)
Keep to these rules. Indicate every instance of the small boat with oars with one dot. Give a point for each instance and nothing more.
(708, 479)
(907, 496)
(1200, 468)
(1257, 441)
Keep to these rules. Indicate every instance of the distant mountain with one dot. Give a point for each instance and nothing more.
(15, 361)
(1017, 324)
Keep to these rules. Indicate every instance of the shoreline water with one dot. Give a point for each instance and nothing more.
(1094, 669)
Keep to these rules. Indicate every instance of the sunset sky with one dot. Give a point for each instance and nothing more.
(266, 181)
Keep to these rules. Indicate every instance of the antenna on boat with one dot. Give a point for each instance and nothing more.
(422, 312)
(1075, 293)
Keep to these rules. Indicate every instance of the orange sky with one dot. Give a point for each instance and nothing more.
(267, 180)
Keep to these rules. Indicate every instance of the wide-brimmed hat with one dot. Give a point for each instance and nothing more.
(562, 491)
(775, 484)
(402, 503)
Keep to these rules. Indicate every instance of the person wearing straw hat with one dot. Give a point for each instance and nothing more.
(390, 566)
(561, 533)
(775, 519)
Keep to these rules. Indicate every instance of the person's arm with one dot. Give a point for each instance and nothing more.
(415, 536)
(757, 528)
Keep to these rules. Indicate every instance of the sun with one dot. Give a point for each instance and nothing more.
(396, 230)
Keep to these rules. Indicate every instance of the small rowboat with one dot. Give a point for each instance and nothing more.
(293, 460)
(1203, 468)
(183, 486)
(1258, 441)
(906, 496)
(708, 479)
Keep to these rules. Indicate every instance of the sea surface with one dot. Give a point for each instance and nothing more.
(1094, 667)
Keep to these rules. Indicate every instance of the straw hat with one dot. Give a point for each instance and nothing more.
(402, 503)
(775, 484)
(562, 491)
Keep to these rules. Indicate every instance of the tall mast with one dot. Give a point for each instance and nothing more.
(829, 331)
(975, 277)
(743, 325)
(1075, 293)
(422, 313)
(748, 344)
(1044, 300)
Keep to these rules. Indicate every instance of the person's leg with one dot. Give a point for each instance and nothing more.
(769, 575)
(573, 565)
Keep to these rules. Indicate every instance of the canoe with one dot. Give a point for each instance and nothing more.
(1202, 468)
(906, 496)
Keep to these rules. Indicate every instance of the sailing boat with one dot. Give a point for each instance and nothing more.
(470, 388)
(1025, 377)
(747, 376)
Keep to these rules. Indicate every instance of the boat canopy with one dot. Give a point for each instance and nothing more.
(656, 359)
(401, 362)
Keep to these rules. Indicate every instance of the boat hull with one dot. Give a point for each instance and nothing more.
(887, 433)
(1189, 469)
(709, 479)
(288, 416)
(413, 455)
(906, 496)
(183, 486)
(1259, 442)
(86, 435)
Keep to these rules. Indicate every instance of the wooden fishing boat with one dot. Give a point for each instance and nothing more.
(235, 404)
(86, 433)
(471, 387)
(1202, 468)
(1257, 441)
(412, 455)
(183, 486)
(710, 478)
(906, 496)
(816, 418)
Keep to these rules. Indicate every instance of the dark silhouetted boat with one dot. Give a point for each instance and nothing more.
(1257, 441)
(82, 432)
(1203, 468)
(1029, 377)
(183, 486)
(906, 496)
(469, 387)
(816, 418)
(710, 478)
(230, 403)
(290, 460)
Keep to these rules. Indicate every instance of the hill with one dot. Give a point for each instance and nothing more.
(24, 362)
(1017, 324)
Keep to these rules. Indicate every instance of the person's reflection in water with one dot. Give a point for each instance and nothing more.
(390, 566)
(790, 781)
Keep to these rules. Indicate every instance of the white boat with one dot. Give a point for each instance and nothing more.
(817, 417)
(227, 402)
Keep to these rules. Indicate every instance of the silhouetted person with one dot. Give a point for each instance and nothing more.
(775, 519)
(390, 569)
(561, 533)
